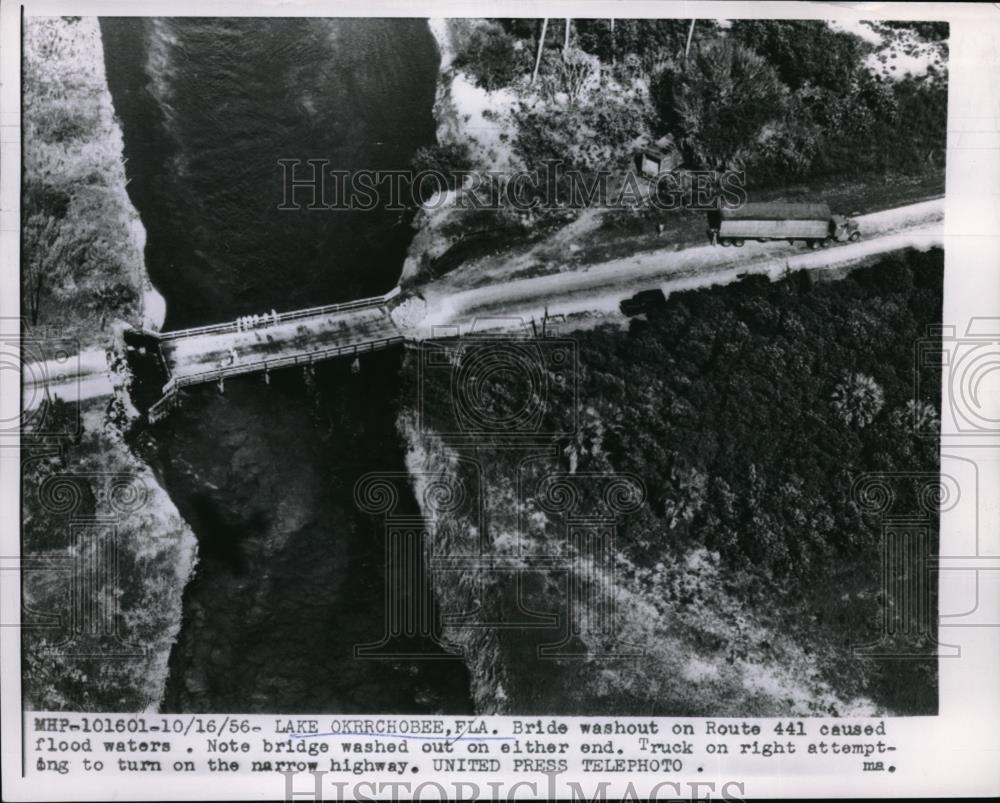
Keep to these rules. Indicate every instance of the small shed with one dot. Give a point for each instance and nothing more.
(662, 157)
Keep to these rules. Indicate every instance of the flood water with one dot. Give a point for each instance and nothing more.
(290, 574)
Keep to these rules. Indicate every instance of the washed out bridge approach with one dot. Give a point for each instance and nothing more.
(257, 344)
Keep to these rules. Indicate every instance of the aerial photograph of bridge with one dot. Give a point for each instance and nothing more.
(480, 366)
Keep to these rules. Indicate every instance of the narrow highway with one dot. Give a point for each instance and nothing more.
(581, 296)
(600, 288)
(77, 377)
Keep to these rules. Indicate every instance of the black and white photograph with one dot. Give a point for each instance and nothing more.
(584, 367)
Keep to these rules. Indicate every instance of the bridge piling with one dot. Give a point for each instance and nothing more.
(212, 353)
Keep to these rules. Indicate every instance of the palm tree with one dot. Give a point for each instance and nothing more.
(687, 47)
(541, 46)
(857, 399)
(719, 102)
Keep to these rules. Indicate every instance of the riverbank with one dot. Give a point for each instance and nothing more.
(83, 274)
(291, 574)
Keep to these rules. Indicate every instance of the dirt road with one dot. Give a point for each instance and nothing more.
(593, 293)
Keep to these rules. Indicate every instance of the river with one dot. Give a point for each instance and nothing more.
(290, 574)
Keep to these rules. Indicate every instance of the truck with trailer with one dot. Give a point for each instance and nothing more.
(811, 223)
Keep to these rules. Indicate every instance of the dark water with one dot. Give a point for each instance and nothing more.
(210, 106)
(290, 573)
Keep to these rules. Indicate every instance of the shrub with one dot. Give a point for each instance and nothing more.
(492, 57)
(804, 51)
(450, 159)
(719, 103)
(567, 74)
(587, 138)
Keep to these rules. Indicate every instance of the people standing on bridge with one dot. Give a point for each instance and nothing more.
(274, 317)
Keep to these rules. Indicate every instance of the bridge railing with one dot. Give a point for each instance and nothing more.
(361, 303)
(162, 408)
(282, 317)
(306, 358)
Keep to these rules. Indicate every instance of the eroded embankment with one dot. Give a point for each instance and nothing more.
(291, 575)
(680, 643)
(83, 270)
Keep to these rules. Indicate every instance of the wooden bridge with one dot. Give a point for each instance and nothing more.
(262, 343)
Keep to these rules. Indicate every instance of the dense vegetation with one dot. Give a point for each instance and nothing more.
(82, 269)
(719, 103)
(780, 98)
(840, 117)
(104, 646)
(82, 245)
(804, 110)
(749, 411)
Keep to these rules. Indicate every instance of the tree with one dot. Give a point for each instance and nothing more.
(568, 74)
(804, 51)
(917, 416)
(689, 489)
(687, 45)
(718, 104)
(653, 41)
(857, 399)
(450, 159)
(492, 56)
(541, 46)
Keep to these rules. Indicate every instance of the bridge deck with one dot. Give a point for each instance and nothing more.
(203, 356)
